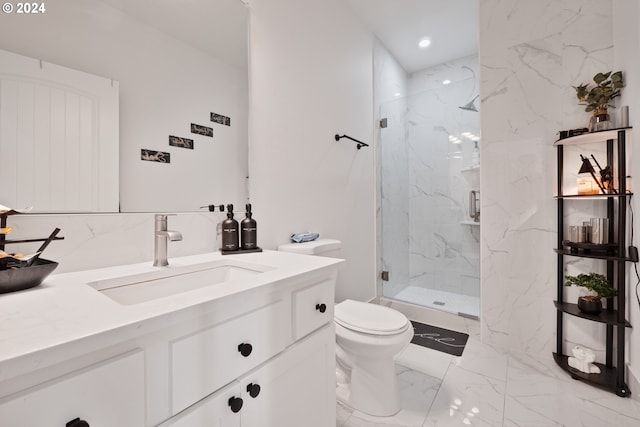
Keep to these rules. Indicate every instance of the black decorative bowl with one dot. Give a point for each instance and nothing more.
(19, 278)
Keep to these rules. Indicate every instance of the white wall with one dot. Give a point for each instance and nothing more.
(527, 71)
(311, 78)
(626, 47)
(165, 85)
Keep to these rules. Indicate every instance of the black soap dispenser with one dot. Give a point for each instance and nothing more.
(230, 232)
(248, 230)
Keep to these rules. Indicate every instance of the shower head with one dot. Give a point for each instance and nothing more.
(470, 106)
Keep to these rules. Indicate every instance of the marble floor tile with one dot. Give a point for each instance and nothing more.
(485, 387)
(482, 359)
(428, 361)
(417, 391)
(466, 397)
(545, 395)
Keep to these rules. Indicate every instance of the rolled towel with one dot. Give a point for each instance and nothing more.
(304, 237)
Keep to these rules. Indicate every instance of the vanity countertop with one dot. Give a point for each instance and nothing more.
(64, 316)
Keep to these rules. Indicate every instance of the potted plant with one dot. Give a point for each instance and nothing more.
(596, 283)
(598, 98)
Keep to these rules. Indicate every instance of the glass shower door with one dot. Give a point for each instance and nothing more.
(430, 200)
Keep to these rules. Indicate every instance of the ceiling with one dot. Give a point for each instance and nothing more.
(217, 27)
(452, 26)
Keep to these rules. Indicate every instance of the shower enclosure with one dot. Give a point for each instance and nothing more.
(429, 177)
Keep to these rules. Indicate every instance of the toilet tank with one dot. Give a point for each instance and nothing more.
(322, 247)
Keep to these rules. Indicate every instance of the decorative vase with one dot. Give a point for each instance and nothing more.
(600, 120)
(590, 305)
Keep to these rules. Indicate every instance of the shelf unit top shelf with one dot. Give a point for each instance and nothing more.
(591, 137)
(606, 316)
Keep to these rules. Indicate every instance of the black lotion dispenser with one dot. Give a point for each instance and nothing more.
(230, 231)
(248, 230)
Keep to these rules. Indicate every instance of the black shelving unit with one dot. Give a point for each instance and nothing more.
(612, 376)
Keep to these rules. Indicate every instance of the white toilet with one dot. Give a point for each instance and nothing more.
(368, 336)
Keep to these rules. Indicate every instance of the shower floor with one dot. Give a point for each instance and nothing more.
(463, 305)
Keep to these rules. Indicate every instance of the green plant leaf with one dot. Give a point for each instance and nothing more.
(599, 78)
(616, 77)
(594, 282)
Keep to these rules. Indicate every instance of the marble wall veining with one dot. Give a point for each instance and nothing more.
(531, 54)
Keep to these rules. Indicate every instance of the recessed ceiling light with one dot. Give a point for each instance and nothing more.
(397, 94)
(424, 43)
(446, 82)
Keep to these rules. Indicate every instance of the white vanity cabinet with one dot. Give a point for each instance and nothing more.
(286, 379)
(261, 354)
(295, 388)
(104, 395)
(209, 359)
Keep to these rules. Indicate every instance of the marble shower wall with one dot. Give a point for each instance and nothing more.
(424, 196)
(531, 53)
(444, 252)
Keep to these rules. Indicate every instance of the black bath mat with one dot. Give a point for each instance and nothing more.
(440, 339)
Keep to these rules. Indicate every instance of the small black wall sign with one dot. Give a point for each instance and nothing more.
(201, 130)
(177, 141)
(219, 118)
(155, 156)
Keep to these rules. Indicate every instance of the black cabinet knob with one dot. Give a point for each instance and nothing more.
(235, 403)
(77, 423)
(321, 308)
(245, 349)
(253, 390)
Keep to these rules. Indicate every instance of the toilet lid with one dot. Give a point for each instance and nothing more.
(369, 318)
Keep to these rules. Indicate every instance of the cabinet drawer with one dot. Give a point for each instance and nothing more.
(213, 411)
(312, 308)
(203, 362)
(104, 395)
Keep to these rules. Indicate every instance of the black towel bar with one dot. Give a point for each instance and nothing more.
(360, 143)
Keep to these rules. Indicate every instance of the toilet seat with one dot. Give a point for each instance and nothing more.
(370, 318)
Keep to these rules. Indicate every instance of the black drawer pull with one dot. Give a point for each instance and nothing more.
(253, 390)
(245, 349)
(235, 403)
(77, 423)
(321, 308)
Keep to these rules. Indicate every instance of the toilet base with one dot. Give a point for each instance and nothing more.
(372, 389)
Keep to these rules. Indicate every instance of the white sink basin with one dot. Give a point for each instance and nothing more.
(166, 281)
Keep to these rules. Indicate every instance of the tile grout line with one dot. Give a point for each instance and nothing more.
(435, 396)
(506, 389)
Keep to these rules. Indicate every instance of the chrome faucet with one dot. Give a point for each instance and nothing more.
(161, 237)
